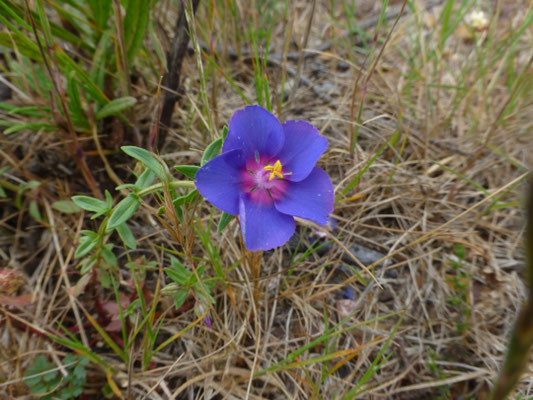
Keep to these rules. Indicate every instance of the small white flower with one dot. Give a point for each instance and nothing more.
(477, 20)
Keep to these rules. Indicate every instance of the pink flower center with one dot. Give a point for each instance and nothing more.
(262, 180)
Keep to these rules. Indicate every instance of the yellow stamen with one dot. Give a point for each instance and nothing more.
(275, 170)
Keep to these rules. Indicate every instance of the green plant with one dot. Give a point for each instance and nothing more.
(460, 281)
(45, 380)
(436, 370)
(187, 283)
(69, 92)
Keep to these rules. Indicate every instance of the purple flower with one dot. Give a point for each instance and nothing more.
(266, 174)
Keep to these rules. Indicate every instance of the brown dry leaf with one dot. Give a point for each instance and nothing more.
(16, 301)
(430, 21)
(10, 280)
(462, 32)
(80, 286)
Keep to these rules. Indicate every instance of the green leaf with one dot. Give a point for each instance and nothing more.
(105, 280)
(15, 40)
(66, 206)
(45, 26)
(33, 209)
(224, 132)
(116, 106)
(22, 188)
(147, 159)
(2, 172)
(145, 179)
(125, 186)
(49, 376)
(90, 234)
(33, 382)
(224, 221)
(127, 237)
(79, 372)
(108, 200)
(69, 358)
(30, 185)
(135, 24)
(188, 170)
(212, 151)
(19, 15)
(189, 197)
(178, 273)
(90, 204)
(31, 126)
(107, 253)
(101, 10)
(86, 245)
(87, 264)
(123, 211)
(74, 102)
(179, 298)
(177, 276)
(39, 389)
(40, 364)
(68, 64)
(33, 111)
(98, 71)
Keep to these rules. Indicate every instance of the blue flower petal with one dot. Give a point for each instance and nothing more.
(310, 199)
(302, 149)
(264, 227)
(219, 181)
(253, 129)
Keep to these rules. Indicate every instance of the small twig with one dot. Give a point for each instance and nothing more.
(110, 172)
(172, 78)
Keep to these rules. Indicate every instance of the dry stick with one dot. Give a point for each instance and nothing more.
(94, 130)
(172, 78)
(522, 336)
(76, 150)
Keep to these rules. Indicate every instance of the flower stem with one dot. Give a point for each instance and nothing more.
(161, 185)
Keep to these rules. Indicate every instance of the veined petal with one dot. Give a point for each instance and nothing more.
(263, 227)
(253, 129)
(219, 181)
(302, 149)
(310, 199)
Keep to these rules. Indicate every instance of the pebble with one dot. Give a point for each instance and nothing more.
(364, 254)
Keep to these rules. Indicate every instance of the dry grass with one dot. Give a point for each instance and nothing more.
(451, 130)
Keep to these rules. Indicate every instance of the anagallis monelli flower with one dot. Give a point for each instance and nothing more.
(266, 174)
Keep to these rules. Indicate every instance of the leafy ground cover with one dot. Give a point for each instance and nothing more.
(118, 279)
